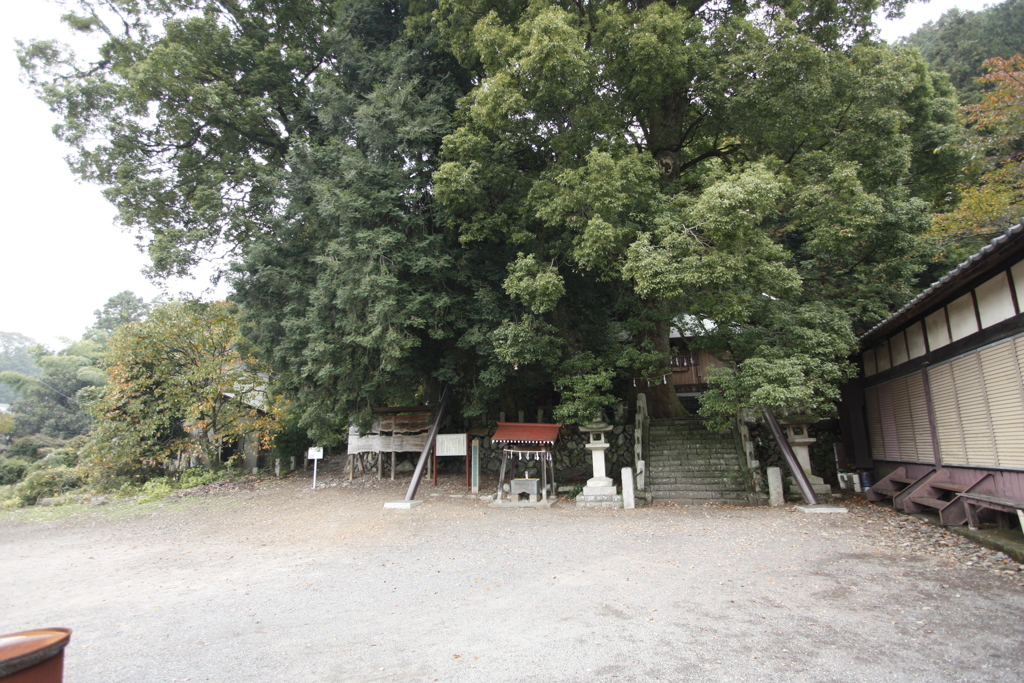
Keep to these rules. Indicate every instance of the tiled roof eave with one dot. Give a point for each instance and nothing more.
(950, 280)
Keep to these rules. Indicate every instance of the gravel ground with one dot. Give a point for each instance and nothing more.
(277, 582)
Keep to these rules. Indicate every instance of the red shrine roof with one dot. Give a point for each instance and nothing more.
(526, 432)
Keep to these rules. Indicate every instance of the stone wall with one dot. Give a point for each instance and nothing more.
(572, 459)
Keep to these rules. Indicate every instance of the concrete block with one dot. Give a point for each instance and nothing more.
(402, 504)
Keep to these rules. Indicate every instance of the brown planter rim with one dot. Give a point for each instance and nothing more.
(23, 649)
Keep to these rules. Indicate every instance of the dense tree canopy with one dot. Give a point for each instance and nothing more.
(992, 195)
(518, 199)
(760, 170)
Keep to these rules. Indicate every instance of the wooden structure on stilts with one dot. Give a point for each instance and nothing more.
(394, 430)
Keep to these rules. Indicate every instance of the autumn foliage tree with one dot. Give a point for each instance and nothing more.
(177, 389)
(993, 196)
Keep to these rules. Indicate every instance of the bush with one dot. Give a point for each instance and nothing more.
(7, 499)
(155, 489)
(199, 477)
(43, 483)
(33, 447)
(12, 470)
(69, 452)
(50, 461)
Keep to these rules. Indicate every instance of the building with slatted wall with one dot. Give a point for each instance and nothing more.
(940, 392)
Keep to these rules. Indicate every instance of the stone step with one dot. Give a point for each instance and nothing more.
(700, 496)
(694, 470)
(692, 450)
(687, 500)
(669, 449)
(695, 460)
(723, 477)
(695, 481)
(699, 492)
(696, 486)
(693, 467)
(693, 438)
(688, 464)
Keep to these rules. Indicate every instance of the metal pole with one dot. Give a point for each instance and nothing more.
(314, 474)
(787, 453)
(431, 435)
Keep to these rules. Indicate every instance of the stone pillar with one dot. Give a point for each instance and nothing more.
(775, 491)
(628, 501)
(638, 441)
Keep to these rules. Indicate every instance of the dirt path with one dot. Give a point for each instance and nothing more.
(282, 583)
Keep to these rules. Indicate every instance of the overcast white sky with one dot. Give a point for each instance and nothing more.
(61, 255)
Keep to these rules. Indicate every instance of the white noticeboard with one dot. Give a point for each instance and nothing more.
(450, 444)
(315, 454)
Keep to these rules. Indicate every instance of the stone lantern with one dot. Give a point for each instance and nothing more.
(600, 491)
(799, 437)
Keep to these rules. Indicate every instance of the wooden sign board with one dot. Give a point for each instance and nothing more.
(315, 453)
(451, 444)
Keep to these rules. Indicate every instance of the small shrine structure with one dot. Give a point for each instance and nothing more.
(526, 441)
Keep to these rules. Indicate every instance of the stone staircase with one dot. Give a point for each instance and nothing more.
(688, 464)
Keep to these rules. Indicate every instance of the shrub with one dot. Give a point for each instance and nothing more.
(8, 501)
(32, 447)
(199, 477)
(42, 483)
(155, 489)
(12, 470)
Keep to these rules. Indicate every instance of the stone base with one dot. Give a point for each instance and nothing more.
(600, 491)
(598, 501)
(818, 485)
(506, 503)
(402, 504)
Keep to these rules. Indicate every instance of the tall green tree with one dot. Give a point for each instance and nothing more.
(357, 296)
(120, 309)
(185, 112)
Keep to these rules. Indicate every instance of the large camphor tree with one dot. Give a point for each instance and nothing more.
(516, 198)
(763, 168)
